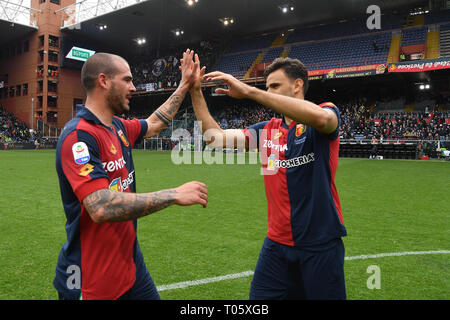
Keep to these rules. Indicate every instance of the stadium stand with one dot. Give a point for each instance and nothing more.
(365, 50)
(385, 121)
(337, 45)
(345, 44)
(13, 130)
(237, 64)
(432, 44)
(324, 54)
(166, 74)
(444, 40)
(342, 44)
(272, 54)
(397, 134)
(413, 36)
(252, 43)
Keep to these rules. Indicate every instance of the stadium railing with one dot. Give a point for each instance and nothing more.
(393, 149)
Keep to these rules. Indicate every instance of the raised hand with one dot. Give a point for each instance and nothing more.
(236, 89)
(187, 69)
(197, 74)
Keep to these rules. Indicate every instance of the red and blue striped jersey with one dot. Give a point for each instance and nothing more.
(299, 165)
(91, 156)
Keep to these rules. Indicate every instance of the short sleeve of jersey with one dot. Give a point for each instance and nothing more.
(328, 105)
(253, 133)
(136, 129)
(81, 164)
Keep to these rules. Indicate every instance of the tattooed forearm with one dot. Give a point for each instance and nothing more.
(162, 117)
(175, 101)
(167, 111)
(111, 206)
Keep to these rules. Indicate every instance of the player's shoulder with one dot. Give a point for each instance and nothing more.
(68, 128)
(257, 126)
(121, 123)
(274, 123)
(78, 127)
(328, 104)
(331, 106)
(117, 119)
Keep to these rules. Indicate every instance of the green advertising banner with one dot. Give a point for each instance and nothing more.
(79, 54)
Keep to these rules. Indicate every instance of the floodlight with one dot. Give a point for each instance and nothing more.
(140, 41)
(285, 8)
(227, 21)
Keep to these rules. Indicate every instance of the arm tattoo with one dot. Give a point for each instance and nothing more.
(112, 206)
(167, 111)
(162, 117)
(175, 103)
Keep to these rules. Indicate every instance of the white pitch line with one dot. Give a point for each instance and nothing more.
(395, 254)
(185, 284)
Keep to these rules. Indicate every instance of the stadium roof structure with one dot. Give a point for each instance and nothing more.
(156, 19)
(17, 19)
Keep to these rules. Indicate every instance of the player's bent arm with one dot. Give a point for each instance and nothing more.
(229, 138)
(111, 206)
(299, 110)
(214, 135)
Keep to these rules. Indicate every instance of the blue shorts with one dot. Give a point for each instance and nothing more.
(142, 289)
(285, 272)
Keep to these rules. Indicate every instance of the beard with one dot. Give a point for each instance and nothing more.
(116, 101)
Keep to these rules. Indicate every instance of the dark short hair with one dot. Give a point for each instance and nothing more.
(293, 68)
(98, 63)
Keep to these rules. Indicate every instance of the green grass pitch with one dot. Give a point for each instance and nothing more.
(389, 206)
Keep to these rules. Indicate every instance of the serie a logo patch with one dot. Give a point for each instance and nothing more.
(80, 153)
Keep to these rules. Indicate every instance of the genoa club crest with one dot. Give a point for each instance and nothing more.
(123, 138)
(300, 129)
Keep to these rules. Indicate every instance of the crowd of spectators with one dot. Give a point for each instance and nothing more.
(163, 69)
(358, 122)
(235, 116)
(13, 130)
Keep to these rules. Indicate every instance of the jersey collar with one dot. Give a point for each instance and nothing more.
(284, 124)
(86, 114)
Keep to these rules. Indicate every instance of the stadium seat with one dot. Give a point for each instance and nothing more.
(414, 36)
